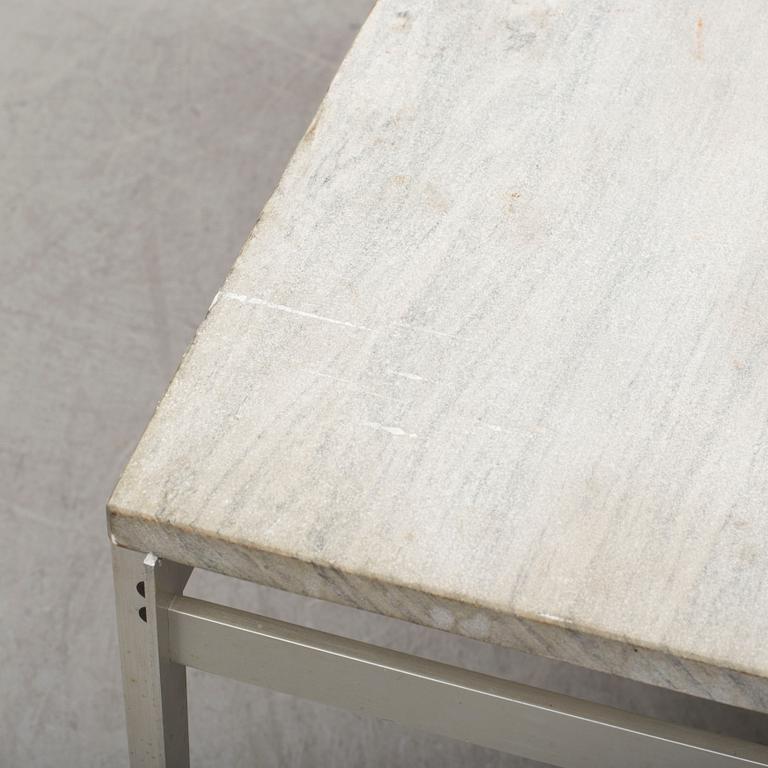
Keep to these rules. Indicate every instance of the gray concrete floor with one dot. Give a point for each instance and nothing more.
(138, 142)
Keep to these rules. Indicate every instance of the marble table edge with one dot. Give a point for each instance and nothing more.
(536, 634)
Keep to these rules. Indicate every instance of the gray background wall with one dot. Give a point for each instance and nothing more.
(138, 142)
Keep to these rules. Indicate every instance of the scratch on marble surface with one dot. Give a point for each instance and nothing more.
(392, 430)
(431, 331)
(403, 374)
(254, 300)
(508, 429)
(556, 619)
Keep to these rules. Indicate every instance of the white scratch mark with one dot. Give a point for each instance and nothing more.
(411, 376)
(215, 299)
(392, 430)
(557, 619)
(290, 310)
(243, 299)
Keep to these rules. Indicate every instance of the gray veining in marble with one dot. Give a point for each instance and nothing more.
(495, 357)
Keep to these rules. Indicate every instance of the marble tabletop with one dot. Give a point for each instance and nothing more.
(495, 357)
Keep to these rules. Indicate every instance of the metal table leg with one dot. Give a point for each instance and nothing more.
(155, 689)
(162, 632)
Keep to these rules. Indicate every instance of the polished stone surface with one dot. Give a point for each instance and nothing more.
(495, 358)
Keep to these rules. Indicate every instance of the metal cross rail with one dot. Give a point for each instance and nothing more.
(173, 632)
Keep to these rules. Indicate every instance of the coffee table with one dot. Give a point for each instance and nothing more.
(494, 360)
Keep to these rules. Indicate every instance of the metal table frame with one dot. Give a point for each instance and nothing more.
(161, 632)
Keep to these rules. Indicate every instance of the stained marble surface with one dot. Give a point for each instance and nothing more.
(495, 357)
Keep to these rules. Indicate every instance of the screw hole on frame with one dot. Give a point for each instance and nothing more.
(143, 613)
(140, 589)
